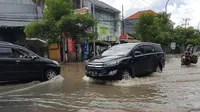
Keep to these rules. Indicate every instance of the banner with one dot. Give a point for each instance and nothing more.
(104, 32)
(71, 46)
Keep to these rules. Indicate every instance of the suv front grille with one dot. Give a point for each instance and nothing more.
(98, 65)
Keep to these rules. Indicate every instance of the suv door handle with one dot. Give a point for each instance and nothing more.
(17, 61)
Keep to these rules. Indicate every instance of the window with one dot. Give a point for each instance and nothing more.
(148, 49)
(140, 48)
(158, 48)
(5, 52)
(119, 50)
(19, 53)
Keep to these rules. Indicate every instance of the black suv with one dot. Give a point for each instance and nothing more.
(127, 60)
(18, 63)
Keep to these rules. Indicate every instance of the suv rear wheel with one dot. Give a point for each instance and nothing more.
(50, 74)
(159, 69)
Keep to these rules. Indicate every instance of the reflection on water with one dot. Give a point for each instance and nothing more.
(176, 88)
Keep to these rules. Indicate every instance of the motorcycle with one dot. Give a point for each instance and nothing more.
(188, 60)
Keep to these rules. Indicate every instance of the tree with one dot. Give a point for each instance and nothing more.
(144, 26)
(184, 36)
(59, 19)
(151, 28)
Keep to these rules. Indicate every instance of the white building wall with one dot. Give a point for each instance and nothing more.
(106, 18)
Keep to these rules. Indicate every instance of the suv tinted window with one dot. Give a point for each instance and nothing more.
(19, 53)
(5, 52)
(148, 49)
(141, 49)
(158, 48)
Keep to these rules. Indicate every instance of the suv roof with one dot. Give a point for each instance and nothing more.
(8, 44)
(149, 43)
(5, 43)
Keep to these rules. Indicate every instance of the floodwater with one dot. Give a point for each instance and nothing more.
(176, 89)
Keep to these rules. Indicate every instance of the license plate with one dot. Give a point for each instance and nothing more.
(92, 73)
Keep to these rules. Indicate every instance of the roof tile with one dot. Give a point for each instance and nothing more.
(137, 15)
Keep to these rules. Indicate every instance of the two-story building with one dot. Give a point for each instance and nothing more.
(108, 27)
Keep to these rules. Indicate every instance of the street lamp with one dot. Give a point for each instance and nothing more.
(166, 6)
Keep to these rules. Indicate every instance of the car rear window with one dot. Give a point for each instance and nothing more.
(148, 49)
(158, 48)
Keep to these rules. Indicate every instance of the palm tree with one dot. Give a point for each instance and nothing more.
(39, 3)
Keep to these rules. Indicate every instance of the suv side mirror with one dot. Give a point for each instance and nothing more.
(34, 57)
(137, 53)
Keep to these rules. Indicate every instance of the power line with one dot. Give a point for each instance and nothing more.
(136, 3)
(143, 3)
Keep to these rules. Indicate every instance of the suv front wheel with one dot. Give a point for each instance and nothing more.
(50, 74)
(126, 75)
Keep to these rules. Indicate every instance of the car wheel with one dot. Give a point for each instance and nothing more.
(158, 69)
(50, 74)
(126, 75)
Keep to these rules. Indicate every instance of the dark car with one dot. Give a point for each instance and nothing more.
(127, 60)
(18, 63)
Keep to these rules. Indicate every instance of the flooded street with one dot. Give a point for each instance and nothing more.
(176, 89)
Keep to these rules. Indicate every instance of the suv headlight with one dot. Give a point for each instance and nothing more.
(112, 63)
(55, 62)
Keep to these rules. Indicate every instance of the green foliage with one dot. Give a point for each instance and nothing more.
(76, 24)
(56, 9)
(184, 36)
(59, 19)
(144, 27)
(159, 29)
(151, 28)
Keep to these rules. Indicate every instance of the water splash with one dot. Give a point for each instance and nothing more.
(88, 79)
(57, 79)
(138, 81)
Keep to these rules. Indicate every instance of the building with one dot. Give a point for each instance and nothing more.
(108, 17)
(133, 19)
(14, 15)
(108, 27)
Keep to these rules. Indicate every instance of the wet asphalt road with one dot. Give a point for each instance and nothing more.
(176, 89)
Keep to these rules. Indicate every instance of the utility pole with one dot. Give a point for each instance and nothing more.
(81, 3)
(123, 19)
(94, 30)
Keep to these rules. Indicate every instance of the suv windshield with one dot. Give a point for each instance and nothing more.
(119, 50)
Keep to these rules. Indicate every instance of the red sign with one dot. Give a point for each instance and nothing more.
(125, 36)
(71, 46)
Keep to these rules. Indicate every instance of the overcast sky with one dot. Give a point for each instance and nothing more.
(179, 9)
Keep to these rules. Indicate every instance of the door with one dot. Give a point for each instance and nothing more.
(27, 68)
(7, 65)
(150, 55)
(139, 60)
